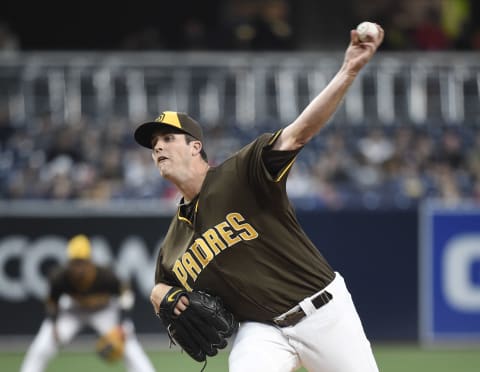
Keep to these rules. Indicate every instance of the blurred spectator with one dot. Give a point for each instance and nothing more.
(473, 167)
(239, 28)
(451, 150)
(429, 33)
(473, 157)
(475, 40)
(259, 25)
(468, 36)
(8, 39)
(398, 27)
(411, 183)
(448, 189)
(375, 147)
(65, 143)
(423, 150)
(195, 34)
(273, 29)
(6, 129)
(456, 21)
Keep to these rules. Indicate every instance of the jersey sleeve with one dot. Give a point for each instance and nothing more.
(266, 169)
(57, 285)
(162, 275)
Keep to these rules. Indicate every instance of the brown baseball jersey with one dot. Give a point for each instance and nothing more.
(240, 238)
(90, 285)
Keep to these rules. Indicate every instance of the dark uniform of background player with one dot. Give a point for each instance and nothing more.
(81, 294)
(236, 235)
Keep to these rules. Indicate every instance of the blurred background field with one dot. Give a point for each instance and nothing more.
(388, 189)
(391, 358)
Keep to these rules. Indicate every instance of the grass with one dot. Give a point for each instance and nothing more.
(390, 359)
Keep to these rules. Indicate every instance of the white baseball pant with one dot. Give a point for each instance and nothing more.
(328, 339)
(69, 322)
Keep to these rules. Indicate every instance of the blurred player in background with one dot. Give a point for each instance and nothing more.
(84, 294)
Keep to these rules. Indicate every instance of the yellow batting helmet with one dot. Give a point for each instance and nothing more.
(79, 248)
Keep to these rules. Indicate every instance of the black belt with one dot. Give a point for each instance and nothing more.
(290, 318)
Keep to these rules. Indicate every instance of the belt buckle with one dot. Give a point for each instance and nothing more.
(290, 318)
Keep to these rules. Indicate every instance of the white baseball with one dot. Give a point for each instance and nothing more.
(365, 29)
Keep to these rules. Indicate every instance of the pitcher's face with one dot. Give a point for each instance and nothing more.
(171, 153)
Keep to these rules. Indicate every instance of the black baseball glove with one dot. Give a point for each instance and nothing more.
(201, 329)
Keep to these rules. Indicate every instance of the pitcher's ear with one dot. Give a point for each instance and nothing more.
(197, 147)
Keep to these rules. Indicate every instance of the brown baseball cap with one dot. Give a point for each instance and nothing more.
(178, 120)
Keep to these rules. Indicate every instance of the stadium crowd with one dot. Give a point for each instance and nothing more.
(346, 167)
(360, 166)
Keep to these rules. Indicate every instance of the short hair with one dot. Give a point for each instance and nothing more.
(189, 138)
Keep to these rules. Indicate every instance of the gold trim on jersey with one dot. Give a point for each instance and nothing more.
(184, 219)
(274, 137)
(181, 218)
(285, 170)
(289, 165)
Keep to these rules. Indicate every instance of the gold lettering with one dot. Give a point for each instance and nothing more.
(226, 233)
(201, 251)
(202, 243)
(213, 240)
(191, 265)
(181, 275)
(235, 220)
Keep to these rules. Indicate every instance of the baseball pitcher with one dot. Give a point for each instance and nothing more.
(235, 260)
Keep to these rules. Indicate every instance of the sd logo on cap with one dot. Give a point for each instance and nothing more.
(178, 120)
